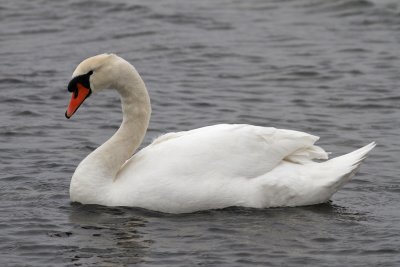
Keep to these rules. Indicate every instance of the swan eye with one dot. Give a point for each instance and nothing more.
(83, 80)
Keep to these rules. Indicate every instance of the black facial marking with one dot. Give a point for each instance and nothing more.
(82, 79)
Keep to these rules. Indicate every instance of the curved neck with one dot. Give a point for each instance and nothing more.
(107, 159)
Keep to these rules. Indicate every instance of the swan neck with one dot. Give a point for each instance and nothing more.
(136, 109)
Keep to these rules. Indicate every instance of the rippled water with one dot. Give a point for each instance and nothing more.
(330, 68)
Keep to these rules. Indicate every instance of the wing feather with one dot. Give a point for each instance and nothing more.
(224, 150)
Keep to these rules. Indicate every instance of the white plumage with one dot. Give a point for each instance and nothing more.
(207, 168)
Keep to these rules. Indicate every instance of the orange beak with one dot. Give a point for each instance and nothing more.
(77, 99)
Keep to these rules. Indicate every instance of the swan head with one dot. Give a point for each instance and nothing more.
(92, 75)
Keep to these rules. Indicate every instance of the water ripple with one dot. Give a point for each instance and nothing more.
(326, 67)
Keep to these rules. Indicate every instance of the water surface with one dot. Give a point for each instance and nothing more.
(330, 68)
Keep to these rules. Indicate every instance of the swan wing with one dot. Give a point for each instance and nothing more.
(224, 150)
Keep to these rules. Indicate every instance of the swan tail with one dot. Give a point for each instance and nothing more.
(344, 167)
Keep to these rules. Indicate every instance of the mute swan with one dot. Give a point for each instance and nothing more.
(207, 168)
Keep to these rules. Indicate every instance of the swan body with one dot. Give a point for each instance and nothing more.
(207, 168)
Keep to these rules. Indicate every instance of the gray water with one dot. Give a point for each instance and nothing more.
(330, 68)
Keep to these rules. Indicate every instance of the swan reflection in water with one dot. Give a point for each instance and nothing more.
(107, 235)
(129, 235)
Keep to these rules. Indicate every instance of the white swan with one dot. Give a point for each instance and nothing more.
(207, 168)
